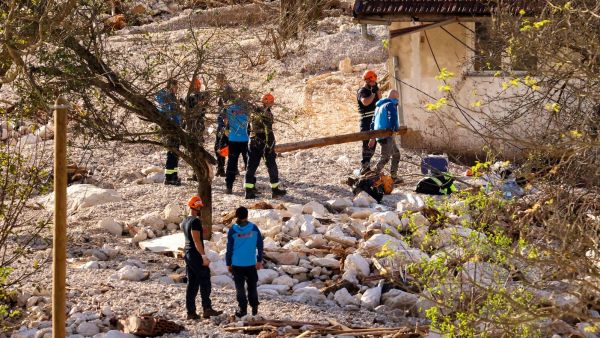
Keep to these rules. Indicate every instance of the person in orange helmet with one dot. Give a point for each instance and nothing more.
(262, 144)
(366, 97)
(196, 261)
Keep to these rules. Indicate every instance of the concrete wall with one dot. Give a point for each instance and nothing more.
(441, 130)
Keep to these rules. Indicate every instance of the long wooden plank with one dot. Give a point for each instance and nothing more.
(338, 139)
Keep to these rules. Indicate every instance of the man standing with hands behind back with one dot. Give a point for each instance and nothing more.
(198, 272)
(367, 96)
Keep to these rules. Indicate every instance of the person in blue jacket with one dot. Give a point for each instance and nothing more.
(168, 104)
(244, 257)
(386, 118)
(237, 118)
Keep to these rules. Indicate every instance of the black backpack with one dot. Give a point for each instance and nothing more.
(436, 185)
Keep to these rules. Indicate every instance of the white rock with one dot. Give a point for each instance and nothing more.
(218, 268)
(81, 196)
(410, 202)
(328, 261)
(363, 200)
(4, 134)
(24, 333)
(88, 329)
(264, 219)
(343, 298)
(107, 311)
(357, 264)
(314, 208)
(270, 243)
(340, 204)
(281, 289)
(155, 178)
(375, 244)
(316, 241)
(298, 243)
(485, 274)
(173, 213)
(293, 269)
(588, 330)
(118, 334)
(285, 280)
(131, 273)
(336, 232)
(418, 220)
(266, 276)
(307, 226)
(267, 291)
(451, 235)
(359, 213)
(29, 139)
(152, 220)
(111, 226)
(284, 258)
(172, 227)
(388, 217)
(90, 265)
(139, 237)
(45, 132)
(151, 170)
(371, 298)
(309, 294)
(222, 281)
(295, 209)
(398, 299)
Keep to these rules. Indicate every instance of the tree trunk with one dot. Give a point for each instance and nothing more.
(205, 193)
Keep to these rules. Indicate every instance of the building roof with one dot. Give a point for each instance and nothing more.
(438, 8)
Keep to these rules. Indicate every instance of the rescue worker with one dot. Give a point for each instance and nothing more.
(367, 97)
(243, 258)
(386, 118)
(237, 131)
(262, 143)
(166, 100)
(224, 92)
(196, 112)
(196, 261)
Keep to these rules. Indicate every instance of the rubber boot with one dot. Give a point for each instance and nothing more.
(277, 192)
(250, 193)
(210, 312)
(220, 172)
(241, 312)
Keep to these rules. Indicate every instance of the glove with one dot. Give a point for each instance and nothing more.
(374, 89)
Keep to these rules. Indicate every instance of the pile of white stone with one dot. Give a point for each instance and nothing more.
(25, 134)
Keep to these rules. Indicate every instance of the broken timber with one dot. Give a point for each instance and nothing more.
(338, 139)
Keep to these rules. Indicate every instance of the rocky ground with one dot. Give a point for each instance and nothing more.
(318, 235)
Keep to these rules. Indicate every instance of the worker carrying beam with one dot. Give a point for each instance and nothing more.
(262, 144)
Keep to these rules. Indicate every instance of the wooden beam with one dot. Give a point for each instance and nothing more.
(414, 29)
(338, 139)
(59, 260)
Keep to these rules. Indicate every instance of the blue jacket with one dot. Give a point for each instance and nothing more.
(238, 123)
(386, 115)
(244, 245)
(167, 104)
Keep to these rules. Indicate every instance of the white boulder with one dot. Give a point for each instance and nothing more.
(371, 298)
(152, 220)
(377, 242)
(222, 281)
(284, 258)
(131, 273)
(111, 226)
(90, 265)
(218, 268)
(410, 202)
(45, 132)
(357, 264)
(295, 209)
(484, 274)
(388, 217)
(398, 299)
(29, 139)
(173, 213)
(151, 170)
(359, 213)
(155, 178)
(328, 261)
(266, 276)
(340, 204)
(293, 269)
(118, 334)
(280, 289)
(363, 200)
(457, 234)
(81, 196)
(88, 329)
(285, 280)
(343, 298)
(336, 232)
(264, 218)
(314, 208)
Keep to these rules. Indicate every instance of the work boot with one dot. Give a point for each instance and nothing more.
(176, 182)
(210, 312)
(193, 316)
(277, 192)
(255, 310)
(220, 172)
(241, 312)
(229, 191)
(250, 193)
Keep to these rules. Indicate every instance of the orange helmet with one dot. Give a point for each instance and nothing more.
(370, 75)
(268, 98)
(196, 84)
(195, 202)
(224, 152)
